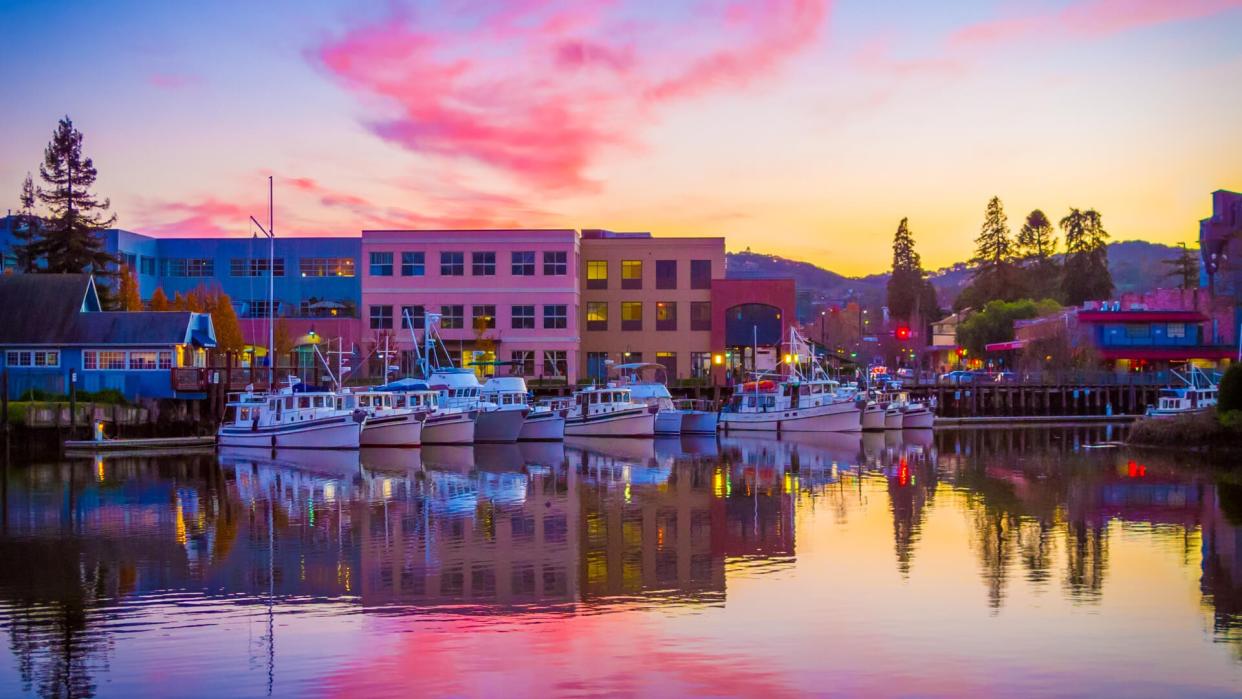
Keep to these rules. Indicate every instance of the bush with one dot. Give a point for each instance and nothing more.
(1231, 390)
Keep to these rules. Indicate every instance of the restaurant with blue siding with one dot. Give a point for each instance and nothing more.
(53, 331)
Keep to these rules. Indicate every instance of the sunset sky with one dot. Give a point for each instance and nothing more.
(805, 128)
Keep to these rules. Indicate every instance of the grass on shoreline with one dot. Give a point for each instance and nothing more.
(1195, 431)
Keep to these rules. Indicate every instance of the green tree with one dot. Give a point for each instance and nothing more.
(1086, 274)
(1230, 398)
(994, 323)
(1184, 267)
(995, 273)
(909, 292)
(1037, 239)
(69, 240)
(26, 227)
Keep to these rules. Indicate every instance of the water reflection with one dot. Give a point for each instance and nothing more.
(109, 546)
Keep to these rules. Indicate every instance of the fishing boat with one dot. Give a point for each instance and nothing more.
(1197, 393)
(294, 418)
(502, 409)
(917, 416)
(442, 425)
(460, 389)
(609, 411)
(386, 424)
(802, 400)
(671, 418)
(545, 422)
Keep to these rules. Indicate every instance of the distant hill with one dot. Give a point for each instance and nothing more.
(1136, 265)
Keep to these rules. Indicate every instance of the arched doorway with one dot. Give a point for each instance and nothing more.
(753, 335)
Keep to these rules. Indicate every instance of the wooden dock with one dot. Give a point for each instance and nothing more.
(1048, 402)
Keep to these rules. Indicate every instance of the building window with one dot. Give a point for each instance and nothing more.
(381, 317)
(632, 357)
(597, 274)
(166, 359)
(483, 317)
(522, 317)
(597, 365)
(700, 274)
(669, 361)
(555, 264)
(483, 264)
(523, 263)
(1138, 330)
(452, 264)
(326, 266)
(412, 314)
(143, 360)
(259, 308)
(597, 315)
(666, 274)
(700, 364)
(189, 267)
(413, 264)
(1176, 330)
(254, 267)
(700, 315)
(33, 358)
(555, 316)
(666, 315)
(452, 317)
(110, 360)
(146, 265)
(523, 362)
(381, 264)
(631, 274)
(554, 363)
(631, 315)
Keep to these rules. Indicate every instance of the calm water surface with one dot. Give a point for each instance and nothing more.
(1001, 562)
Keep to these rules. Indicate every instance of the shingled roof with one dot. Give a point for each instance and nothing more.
(63, 309)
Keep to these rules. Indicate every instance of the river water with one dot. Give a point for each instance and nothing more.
(969, 562)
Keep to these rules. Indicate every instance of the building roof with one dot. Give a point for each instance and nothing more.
(63, 309)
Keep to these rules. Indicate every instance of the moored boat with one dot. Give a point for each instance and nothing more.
(387, 425)
(502, 410)
(1198, 393)
(609, 412)
(293, 418)
(545, 422)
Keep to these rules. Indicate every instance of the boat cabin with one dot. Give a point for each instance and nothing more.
(281, 409)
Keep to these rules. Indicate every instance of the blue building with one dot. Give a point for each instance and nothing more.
(53, 331)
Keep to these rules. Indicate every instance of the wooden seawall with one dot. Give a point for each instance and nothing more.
(1037, 400)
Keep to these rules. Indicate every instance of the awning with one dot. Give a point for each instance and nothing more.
(1005, 346)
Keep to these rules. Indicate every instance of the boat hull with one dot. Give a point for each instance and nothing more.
(836, 417)
(456, 428)
(340, 432)
(668, 422)
(919, 418)
(542, 427)
(893, 419)
(873, 418)
(629, 423)
(392, 431)
(499, 425)
(698, 422)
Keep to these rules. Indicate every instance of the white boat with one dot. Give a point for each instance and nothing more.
(460, 389)
(1198, 393)
(507, 421)
(442, 425)
(290, 419)
(671, 418)
(387, 425)
(698, 417)
(917, 416)
(609, 412)
(893, 417)
(873, 417)
(545, 422)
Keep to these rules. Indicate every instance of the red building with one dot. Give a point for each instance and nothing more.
(750, 320)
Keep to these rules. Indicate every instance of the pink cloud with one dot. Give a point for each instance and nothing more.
(539, 90)
(206, 217)
(1088, 19)
(173, 81)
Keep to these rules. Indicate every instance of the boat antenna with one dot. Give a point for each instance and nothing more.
(270, 232)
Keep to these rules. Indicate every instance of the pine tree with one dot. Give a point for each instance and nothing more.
(26, 227)
(906, 281)
(995, 259)
(130, 299)
(1185, 267)
(159, 300)
(1086, 274)
(69, 240)
(1037, 246)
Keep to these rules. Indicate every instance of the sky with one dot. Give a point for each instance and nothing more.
(803, 128)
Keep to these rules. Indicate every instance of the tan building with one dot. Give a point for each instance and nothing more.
(648, 299)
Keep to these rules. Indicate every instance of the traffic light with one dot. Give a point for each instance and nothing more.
(902, 333)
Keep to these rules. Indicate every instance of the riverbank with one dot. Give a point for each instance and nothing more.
(1197, 431)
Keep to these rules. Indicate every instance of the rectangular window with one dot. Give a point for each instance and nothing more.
(381, 317)
(413, 264)
(18, 358)
(189, 267)
(631, 274)
(255, 266)
(523, 263)
(326, 266)
(483, 264)
(700, 364)
(259, 308)
(666, 274)
(700, 315)
(1176, 330)
(143, 361)
(1138, 330)
(522, 317)
(597, 274)
(523, 362)
(130, 260)
(631, 315)
(166, 359)
(452, 317)
(700, 274)
(452, 264)
(666, 315)
(555, 317)
(381, 264)
(146, 265)
(111, 360)
(47, 358)
(597, 315)
(669, 361)
(412, 314)
(555, 263)
(554, 363)
(90, 359)
(483, 317)
(597, 365)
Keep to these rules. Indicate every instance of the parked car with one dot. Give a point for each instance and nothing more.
(958, 377)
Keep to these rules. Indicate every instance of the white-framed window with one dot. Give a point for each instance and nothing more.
(32, 358)
(118, 360)
(143, 360)
(1177, 330)
(555, 316)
